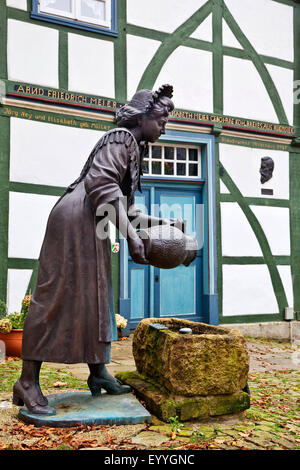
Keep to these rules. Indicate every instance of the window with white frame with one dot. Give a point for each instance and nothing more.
(85, 14)
(173, 161)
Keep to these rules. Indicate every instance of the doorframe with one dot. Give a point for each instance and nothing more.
(208, 182)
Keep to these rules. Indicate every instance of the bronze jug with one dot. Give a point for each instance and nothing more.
(167, 246)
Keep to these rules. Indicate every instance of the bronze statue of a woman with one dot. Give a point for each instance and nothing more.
(71, 317)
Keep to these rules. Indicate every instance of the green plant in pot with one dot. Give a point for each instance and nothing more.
(121, 324)
(11, 327)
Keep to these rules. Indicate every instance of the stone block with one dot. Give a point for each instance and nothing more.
(228, 404)
(163, 404)
(211, 361)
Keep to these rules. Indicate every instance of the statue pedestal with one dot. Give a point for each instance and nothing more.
(75, 408)
(165, 404)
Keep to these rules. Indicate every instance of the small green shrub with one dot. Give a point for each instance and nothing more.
(3, 309)
(17, 320)
(175, 424)
(26, 304)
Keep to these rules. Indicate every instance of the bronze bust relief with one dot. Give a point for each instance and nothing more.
(266, 169)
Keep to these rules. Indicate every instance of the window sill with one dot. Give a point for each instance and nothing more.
(75, 24)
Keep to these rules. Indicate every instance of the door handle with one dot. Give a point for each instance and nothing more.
(156, 278)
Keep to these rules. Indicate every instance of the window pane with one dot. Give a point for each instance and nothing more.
(181, 153)
(193, 169)
(169, 168)
(94, 9)
(193, 155)
(145, 167)
(156, 168)
(169, 153)
(61, 5)
(156, 151)
(181, 169)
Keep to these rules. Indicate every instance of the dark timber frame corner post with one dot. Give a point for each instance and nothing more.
(295, 173)
(4, 202)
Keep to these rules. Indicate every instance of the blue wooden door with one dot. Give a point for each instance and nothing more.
(178, 291)
(167, 292)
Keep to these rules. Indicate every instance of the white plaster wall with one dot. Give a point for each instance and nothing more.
(275, 222)
(204, 30)
(190, 72)
(49, 154)
(286, 277)
(28, 215)
(284, 82)
(17, 283)
(244, 92)
(247, 290)
(238, 238)
(166, 15)
(229, 38)
(91, 65)
(243, 164)
(32, 53)
(268, 25)
(139, 53)
(20, 4)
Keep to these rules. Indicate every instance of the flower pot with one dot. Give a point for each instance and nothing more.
(13, 342)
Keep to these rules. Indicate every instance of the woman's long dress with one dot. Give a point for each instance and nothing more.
(71, 317)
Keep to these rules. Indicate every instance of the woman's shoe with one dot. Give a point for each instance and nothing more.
(30, 397)
(112, 386)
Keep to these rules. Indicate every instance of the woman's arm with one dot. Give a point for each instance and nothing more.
(135, 244)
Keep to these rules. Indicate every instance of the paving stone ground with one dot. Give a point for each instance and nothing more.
(272, 422)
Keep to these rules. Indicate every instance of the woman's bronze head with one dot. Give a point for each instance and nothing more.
(153, 104)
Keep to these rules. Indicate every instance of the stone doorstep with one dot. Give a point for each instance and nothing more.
(164, 405)
(273, 330)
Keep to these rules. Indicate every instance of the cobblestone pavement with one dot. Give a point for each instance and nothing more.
(272, 422)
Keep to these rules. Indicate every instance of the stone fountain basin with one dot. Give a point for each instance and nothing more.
(211, 361)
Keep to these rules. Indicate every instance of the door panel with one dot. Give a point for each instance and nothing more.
(137, 292)
(181, 280)
(179, 206)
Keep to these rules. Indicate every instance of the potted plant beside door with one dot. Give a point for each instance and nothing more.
(11, 329)
(121, 324)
